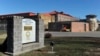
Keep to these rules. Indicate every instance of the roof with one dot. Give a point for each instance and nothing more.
(62, 13)
(34, 14)
(20, 14)
(56, 12)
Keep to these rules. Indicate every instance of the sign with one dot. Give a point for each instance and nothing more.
(28, 30)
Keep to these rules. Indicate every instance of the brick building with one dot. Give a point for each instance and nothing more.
(79, 27)
(83, 25)
(54, 21)
(71, 26)
(55, 16)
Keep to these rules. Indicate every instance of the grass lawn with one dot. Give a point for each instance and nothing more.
(66, 47)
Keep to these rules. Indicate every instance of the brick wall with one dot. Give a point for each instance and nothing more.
(79, 27)
(65, 18)
(87, 27)
(46, 18)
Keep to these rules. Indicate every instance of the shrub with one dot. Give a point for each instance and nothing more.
(48, 35)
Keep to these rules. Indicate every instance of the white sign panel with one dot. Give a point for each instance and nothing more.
(28, 30)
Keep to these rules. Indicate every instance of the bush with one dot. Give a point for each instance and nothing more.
(48, 35)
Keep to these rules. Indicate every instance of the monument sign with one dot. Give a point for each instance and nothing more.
(28, 30)
(23, 34)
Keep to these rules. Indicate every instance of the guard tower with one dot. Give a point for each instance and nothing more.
(91, 19)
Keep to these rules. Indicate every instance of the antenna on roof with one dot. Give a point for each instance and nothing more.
(62, 12)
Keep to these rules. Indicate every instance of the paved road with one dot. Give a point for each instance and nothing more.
(75, 34)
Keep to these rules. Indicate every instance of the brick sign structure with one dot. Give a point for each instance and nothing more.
(24, 34)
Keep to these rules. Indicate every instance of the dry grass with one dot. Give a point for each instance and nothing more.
(66, 47)
(2, 38)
